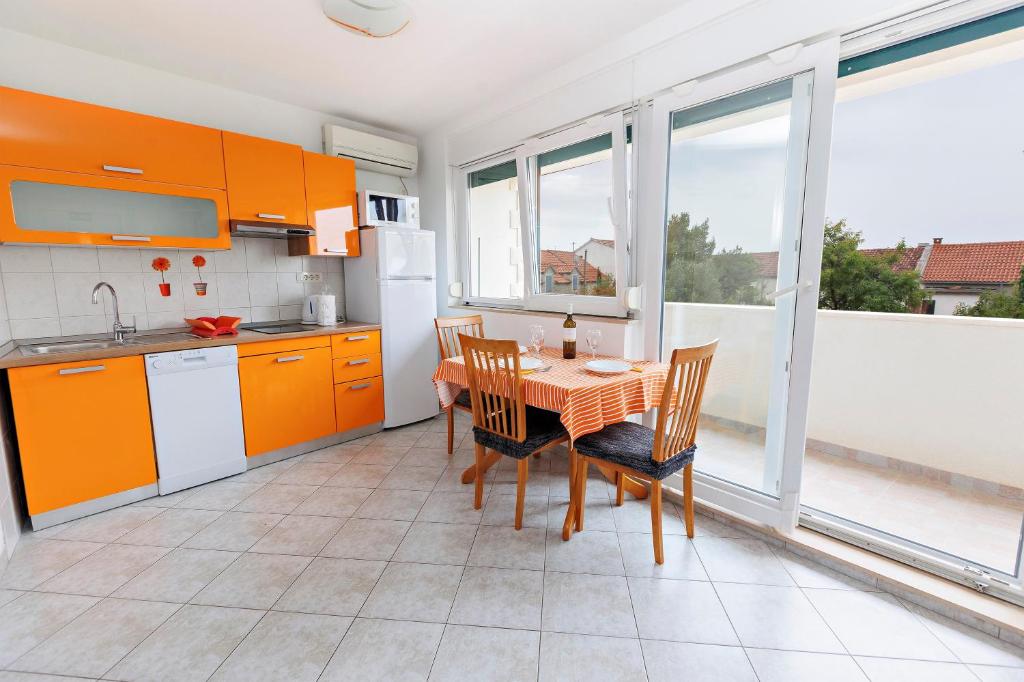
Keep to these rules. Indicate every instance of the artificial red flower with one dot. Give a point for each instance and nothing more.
(198, 261)
(161, 264)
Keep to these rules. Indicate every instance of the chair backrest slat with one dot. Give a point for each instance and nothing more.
(449, 329)
(680, 403)
(495, 385)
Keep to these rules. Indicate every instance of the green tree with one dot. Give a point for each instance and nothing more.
(997, 303)
(695, 273)
(853, 280)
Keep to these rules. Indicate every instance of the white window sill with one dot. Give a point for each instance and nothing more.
(541, 313)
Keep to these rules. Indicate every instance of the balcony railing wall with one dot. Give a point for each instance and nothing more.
(943, 392)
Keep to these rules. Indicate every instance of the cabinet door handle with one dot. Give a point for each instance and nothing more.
(270, 216)
(358, 387)
(122, 169)
(81, 370)
(291, 358)
(129, 238)
(341, 251)
(356, 338)
(359, 362)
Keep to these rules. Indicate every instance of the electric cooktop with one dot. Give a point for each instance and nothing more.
(278, 327)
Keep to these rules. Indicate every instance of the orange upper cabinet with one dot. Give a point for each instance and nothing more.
(39, 131)
(330, 208)
(265, 180)
(39, 206)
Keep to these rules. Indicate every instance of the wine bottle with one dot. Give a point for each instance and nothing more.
(569, 336)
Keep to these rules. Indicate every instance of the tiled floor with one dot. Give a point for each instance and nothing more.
(980, 527)
(366, 561)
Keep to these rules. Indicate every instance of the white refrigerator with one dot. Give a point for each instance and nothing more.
(393, 284)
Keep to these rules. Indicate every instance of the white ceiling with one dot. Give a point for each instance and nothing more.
(456, 54)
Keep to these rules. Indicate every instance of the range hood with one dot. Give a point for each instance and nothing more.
(268, 230)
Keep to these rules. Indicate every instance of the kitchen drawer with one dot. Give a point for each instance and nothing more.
(282, 345)
(287, 398)
(355, 343)
(83, 430)
(40, 131)
(356, 367)
(359, 403)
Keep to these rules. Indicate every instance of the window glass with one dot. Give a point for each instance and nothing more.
(67, 208)
(576, 237)
(495, 246)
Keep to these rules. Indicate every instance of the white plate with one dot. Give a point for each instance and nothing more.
(524, 362)
(608, 366)
(524, 349)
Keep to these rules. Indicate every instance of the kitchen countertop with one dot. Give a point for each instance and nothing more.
(162, 340)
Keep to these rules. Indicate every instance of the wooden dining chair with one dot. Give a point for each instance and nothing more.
(502, 421)
(448, 330)
(652, 455)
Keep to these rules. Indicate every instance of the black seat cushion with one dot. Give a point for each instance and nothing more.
(542, 427)
(463, 399)
(631, 445)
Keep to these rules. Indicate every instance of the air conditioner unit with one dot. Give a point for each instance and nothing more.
(371, 152)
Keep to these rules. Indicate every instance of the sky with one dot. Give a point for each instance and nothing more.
(943, 158)
(574, 206)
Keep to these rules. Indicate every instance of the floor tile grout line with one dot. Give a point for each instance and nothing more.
(924, 623)
(629, 595)
(814, 606)
(242, 639)
(144, 639)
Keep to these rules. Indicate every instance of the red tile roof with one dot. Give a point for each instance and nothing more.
(977, 263)
(983, 262)
(911, 255)
(562, 263)
(767, 263)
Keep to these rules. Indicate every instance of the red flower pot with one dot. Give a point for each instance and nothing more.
(165, 288)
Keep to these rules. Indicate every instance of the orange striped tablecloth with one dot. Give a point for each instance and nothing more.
(587, 402)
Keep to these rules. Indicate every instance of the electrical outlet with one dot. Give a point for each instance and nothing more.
(309, 277)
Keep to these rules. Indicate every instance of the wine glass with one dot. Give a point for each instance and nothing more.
(593, 339)
(536, 338)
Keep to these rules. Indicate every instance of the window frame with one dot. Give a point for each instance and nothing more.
(619, 210)
(463, 214)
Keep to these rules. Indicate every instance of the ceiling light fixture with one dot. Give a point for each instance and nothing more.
(372, 18)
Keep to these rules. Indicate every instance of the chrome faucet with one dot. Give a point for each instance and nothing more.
(119, 329)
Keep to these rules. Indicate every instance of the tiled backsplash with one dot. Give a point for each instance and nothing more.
(47, 291)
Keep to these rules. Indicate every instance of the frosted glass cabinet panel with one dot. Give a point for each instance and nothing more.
(66, 208)
(52, 207)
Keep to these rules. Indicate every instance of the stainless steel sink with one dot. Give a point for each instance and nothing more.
(100, 344)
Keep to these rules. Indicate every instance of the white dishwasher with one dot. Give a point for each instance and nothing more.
(197, 416)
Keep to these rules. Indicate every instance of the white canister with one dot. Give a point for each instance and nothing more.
(327, 310)
(311, 309)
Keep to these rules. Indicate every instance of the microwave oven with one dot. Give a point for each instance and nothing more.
(381, 209)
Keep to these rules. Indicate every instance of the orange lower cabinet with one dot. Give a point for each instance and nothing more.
(287, 398)
(83, 430)
(359, 403)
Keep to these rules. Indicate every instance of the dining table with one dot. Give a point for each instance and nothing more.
(586, 401)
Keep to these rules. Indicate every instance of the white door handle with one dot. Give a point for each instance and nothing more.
(790, 289)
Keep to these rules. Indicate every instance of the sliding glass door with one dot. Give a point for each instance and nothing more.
(737, 213)
(914, 435)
